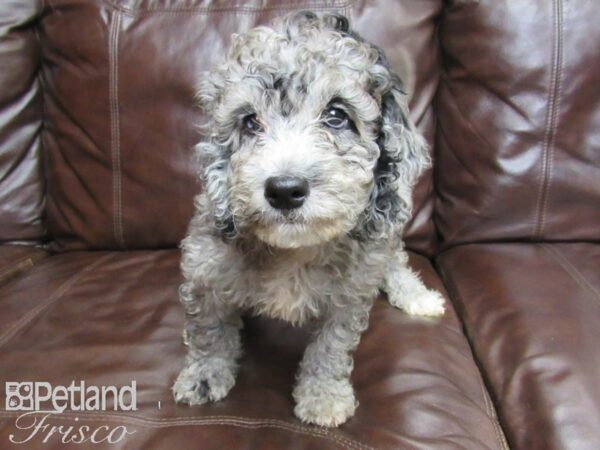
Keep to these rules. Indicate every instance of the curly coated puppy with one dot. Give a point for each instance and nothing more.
(308, 175)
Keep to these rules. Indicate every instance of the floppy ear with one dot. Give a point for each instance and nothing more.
(215, 165)
(213, 157)
(403, 157)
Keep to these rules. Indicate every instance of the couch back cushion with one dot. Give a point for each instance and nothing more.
(21, 183)
(121, 119)
(518, 142)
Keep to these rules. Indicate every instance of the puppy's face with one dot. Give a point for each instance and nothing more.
(304, 176)
(297, 127)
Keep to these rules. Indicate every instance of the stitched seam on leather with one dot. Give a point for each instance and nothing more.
(20, 264)
(568, 267)
(559, 81)
(492, 414)
(490, 409)
(242, 422)
(115, 141)
(551, 120)
(62, 289)
(235, 9)
(15, 267)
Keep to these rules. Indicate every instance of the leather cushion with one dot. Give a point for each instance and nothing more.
(110, 318)
(21, 183)
(532, 312)
(518, 142)
(121, 118)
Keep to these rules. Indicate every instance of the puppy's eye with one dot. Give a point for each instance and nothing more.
(251, 124)
(335, 118)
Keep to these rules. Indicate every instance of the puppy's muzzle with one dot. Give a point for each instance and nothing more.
(286, 192)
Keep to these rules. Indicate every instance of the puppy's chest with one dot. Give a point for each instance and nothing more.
(295, 294)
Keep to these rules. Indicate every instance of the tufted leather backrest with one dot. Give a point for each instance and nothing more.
(21, 184)
(121, 119)
(516, 119)
(518, 144)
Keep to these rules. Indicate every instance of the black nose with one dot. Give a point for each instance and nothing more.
(286, 192)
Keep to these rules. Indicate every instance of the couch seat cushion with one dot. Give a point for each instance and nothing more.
(532, 312)
(108, 318)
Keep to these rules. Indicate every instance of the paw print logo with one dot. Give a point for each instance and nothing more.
(19, 396)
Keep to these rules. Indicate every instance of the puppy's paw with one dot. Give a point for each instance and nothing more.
(204, 381)
(324, 401)
(422, 303)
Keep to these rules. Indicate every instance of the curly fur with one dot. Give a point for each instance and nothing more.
(324, 261)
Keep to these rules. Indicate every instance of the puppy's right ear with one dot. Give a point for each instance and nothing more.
(213, 158)
(208, 91)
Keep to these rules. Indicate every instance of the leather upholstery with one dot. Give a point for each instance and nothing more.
(119, 83)
(21, 186)
(519, 122)
(109, 318)
(532, 312)
(17, 258)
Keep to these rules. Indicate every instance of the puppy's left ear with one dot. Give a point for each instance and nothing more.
(403, 158)
(399, 141)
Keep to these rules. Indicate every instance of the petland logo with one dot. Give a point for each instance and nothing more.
(40, 400)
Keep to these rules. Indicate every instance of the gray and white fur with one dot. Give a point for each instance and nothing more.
(307, 100)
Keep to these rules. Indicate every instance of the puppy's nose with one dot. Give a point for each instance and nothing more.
(286, 192)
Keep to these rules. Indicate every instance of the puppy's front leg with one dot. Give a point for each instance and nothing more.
(323, 393)
(212, 336)
(406, 291)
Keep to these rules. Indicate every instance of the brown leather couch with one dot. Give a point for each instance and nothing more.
(97, 122)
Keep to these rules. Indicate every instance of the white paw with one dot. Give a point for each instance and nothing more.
(422, 303)
(203, 381)
(323, 401)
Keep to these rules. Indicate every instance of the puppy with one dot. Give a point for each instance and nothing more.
(308, 174)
